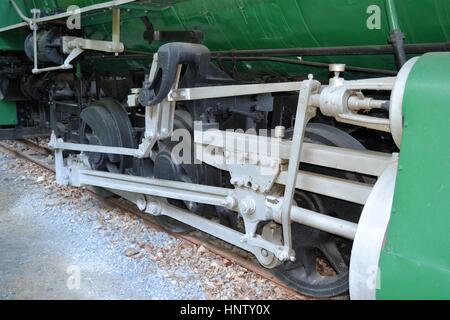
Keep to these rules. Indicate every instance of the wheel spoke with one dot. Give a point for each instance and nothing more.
(183, 177)
(334, 257)
(112, 168)
(293, 265)
(309, 259)
(89, 137)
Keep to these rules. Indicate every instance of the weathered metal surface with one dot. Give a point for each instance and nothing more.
(415, 262)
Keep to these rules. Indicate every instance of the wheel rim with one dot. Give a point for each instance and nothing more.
(106, 122)
(165, 169)
(322, 266)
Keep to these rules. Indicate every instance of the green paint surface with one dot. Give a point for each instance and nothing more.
(258, 24)
(8, 113)
(11, 40)
(415, 262)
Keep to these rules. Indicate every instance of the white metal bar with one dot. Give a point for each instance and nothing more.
(375, 123)
(323, 222)
(201, 194)
(152, 187)
(337, 188)
(116, 26)
(35, 48)
(71, 43)
(351, 191)
(14, 26)
(364, 162)
(371, 84)
(231, 91)
(294, 160)
(217, 230)
(250, 89)
(92, 148)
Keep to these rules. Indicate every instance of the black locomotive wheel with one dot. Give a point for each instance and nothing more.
(169, 164)
(322, 266)
(166, 169)
(321, 269)
(106, 122)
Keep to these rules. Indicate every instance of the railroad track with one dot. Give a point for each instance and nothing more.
(214, 246)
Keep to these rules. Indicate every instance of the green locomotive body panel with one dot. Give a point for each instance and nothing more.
(12, 40)
(8, 113)
(257, 24)
(415, 261)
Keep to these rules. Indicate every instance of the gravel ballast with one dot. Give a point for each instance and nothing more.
(61, 243)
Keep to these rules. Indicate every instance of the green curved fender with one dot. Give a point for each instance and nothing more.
(415, 262)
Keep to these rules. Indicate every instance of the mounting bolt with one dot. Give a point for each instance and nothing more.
(141, 203)
(284, 256)
(241, 182)
(154, 208)
(264, 253)
(164, 132)
(231, 202)
(247, 207)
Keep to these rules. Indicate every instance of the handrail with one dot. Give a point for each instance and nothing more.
(28, 21)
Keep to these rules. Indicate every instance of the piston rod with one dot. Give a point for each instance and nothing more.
(325, 223)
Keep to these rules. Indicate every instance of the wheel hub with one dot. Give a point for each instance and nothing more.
(165, 168)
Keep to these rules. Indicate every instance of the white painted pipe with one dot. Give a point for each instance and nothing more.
(323, 222)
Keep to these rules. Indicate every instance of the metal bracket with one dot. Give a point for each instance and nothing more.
(63, 15)
(73, 46)
(159, 119)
